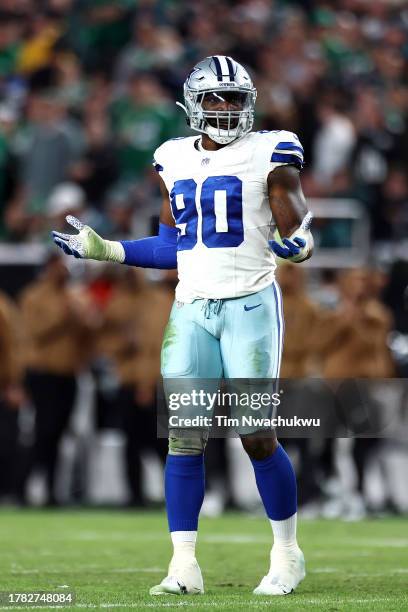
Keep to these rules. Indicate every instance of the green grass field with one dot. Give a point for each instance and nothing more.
(110, 559)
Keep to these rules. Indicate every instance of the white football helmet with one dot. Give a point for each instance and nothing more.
(219, 78)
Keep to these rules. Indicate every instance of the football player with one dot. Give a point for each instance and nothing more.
(225, 190)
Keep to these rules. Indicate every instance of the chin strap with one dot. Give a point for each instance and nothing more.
(181, 106)
(185, 110)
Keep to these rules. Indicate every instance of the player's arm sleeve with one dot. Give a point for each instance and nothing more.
(154, 252)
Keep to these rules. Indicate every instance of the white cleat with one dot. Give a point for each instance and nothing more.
(182, 579)
(287, 571)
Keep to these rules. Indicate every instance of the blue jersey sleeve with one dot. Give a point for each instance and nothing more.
(153, 252)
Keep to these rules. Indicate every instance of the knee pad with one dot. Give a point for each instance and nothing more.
(187, 441)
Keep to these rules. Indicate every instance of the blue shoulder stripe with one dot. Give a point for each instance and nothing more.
(287, 158)
(156, 166)
(289, 146)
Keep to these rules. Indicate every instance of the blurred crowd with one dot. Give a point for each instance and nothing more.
(109, 326)
(88, 90)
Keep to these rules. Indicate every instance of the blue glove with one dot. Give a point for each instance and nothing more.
(291, 248)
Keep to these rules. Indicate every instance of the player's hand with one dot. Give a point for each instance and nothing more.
(299, 245)
(290, 248)
(87, 244)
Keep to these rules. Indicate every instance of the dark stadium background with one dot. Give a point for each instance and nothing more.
(87, 92)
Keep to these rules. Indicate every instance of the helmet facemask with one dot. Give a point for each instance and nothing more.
(222, 126)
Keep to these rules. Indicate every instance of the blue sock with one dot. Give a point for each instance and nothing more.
(184, 491)
(276, 483)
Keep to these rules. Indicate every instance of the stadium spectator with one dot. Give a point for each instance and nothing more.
(141, 119)
(8, 165)
(69, 199)
(96, 169)
(352, 342)
(65, 199)
(11, 30)
(98, 31)
(119, 207)
(95, 84)
(334, 141)
(36, 52)
(131, 335)
(396, 295)
(352, 338)
(58, 326)
(375, 148)
(393, 213)
(11, 394)
(301, 319)
(46, 146)
(154, 48)
(301, 326)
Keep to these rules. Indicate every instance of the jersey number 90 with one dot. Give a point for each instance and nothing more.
(221, 209)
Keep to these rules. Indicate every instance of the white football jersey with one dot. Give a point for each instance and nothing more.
(219, 201)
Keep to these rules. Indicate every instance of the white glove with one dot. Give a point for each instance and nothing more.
(87, 244)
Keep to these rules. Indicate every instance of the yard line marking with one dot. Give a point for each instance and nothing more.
(247, 603)
(136, 570)
(156, 570)
(234, 539)
(379, 542)
(91, 568)
(333, 570)
(233, 602)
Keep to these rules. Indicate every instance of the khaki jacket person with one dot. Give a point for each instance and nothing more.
(352, 340)
(300, 322)
(56, 322)
(11, 367)
(132, 331)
